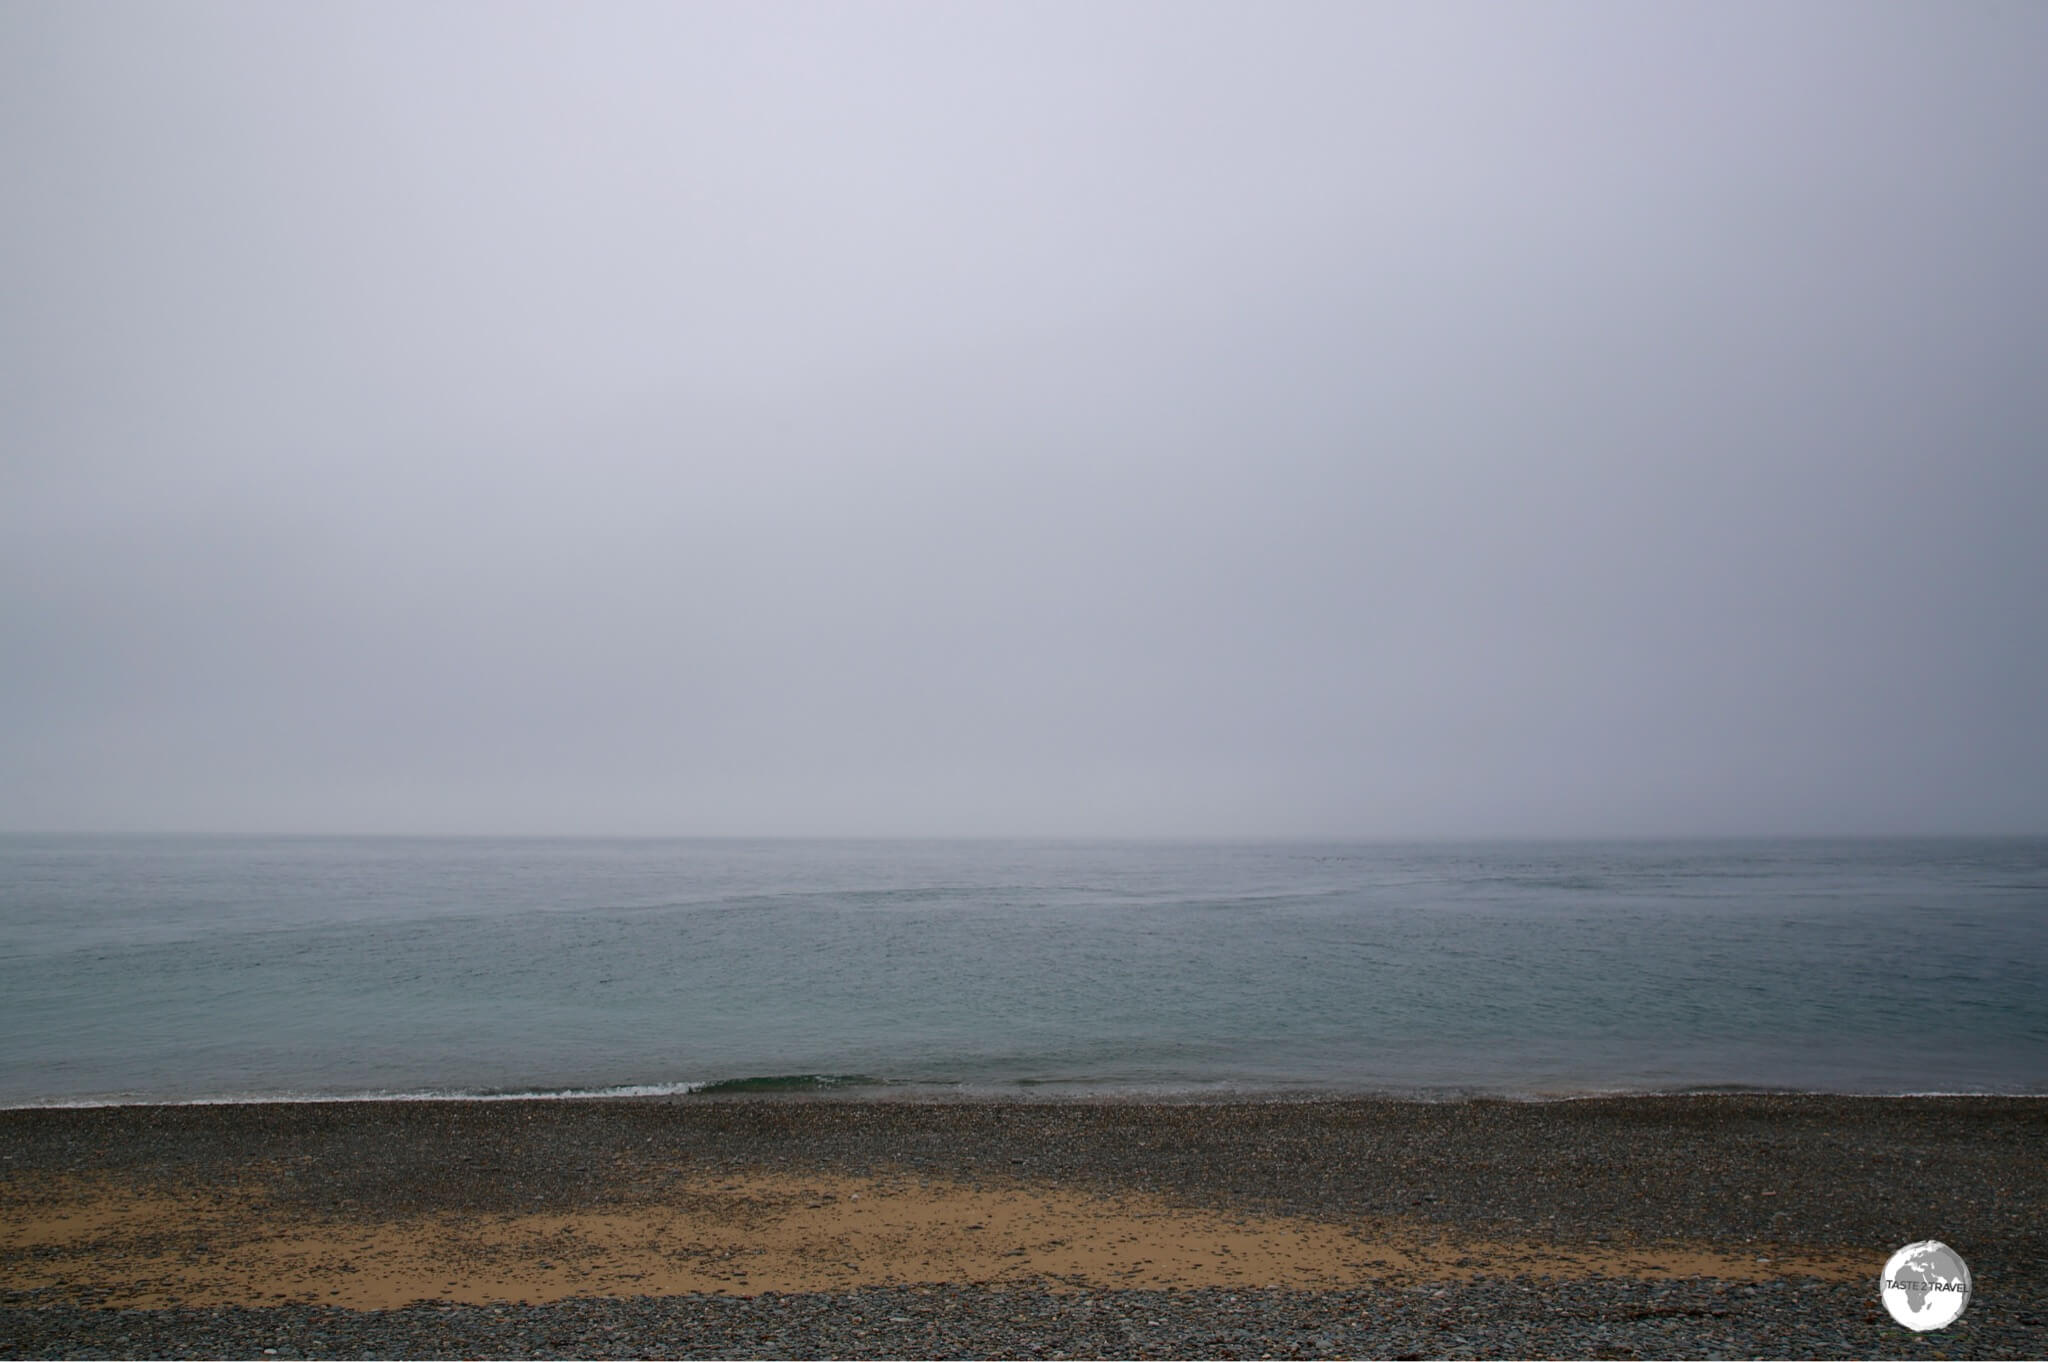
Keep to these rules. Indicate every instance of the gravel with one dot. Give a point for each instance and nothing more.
(1601, 1317)
(1728, 1170)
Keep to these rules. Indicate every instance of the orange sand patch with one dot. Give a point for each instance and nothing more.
(143, 1245)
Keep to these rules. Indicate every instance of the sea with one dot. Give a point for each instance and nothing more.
(149, 969)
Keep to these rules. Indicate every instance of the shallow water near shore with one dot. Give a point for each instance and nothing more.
(152, 969)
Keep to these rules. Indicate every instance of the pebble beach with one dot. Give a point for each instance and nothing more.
(693, 1226)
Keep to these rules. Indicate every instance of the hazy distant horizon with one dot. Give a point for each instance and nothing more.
(1198, 419)
(1023, 838)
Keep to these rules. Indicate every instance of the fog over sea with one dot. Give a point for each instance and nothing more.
(188, 968)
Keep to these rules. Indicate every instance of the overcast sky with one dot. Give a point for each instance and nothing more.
(1361, 419)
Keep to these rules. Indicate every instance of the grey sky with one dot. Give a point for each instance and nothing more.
(1353, 419)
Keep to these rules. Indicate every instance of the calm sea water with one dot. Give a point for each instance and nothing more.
(145, 968)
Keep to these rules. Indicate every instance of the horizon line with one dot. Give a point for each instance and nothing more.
(1391, 838)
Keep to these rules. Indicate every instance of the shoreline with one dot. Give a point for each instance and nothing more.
(182, 1217)
(1021, 1094)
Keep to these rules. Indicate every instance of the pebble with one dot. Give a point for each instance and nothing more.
(1503, 1317)
(1876, 1173)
